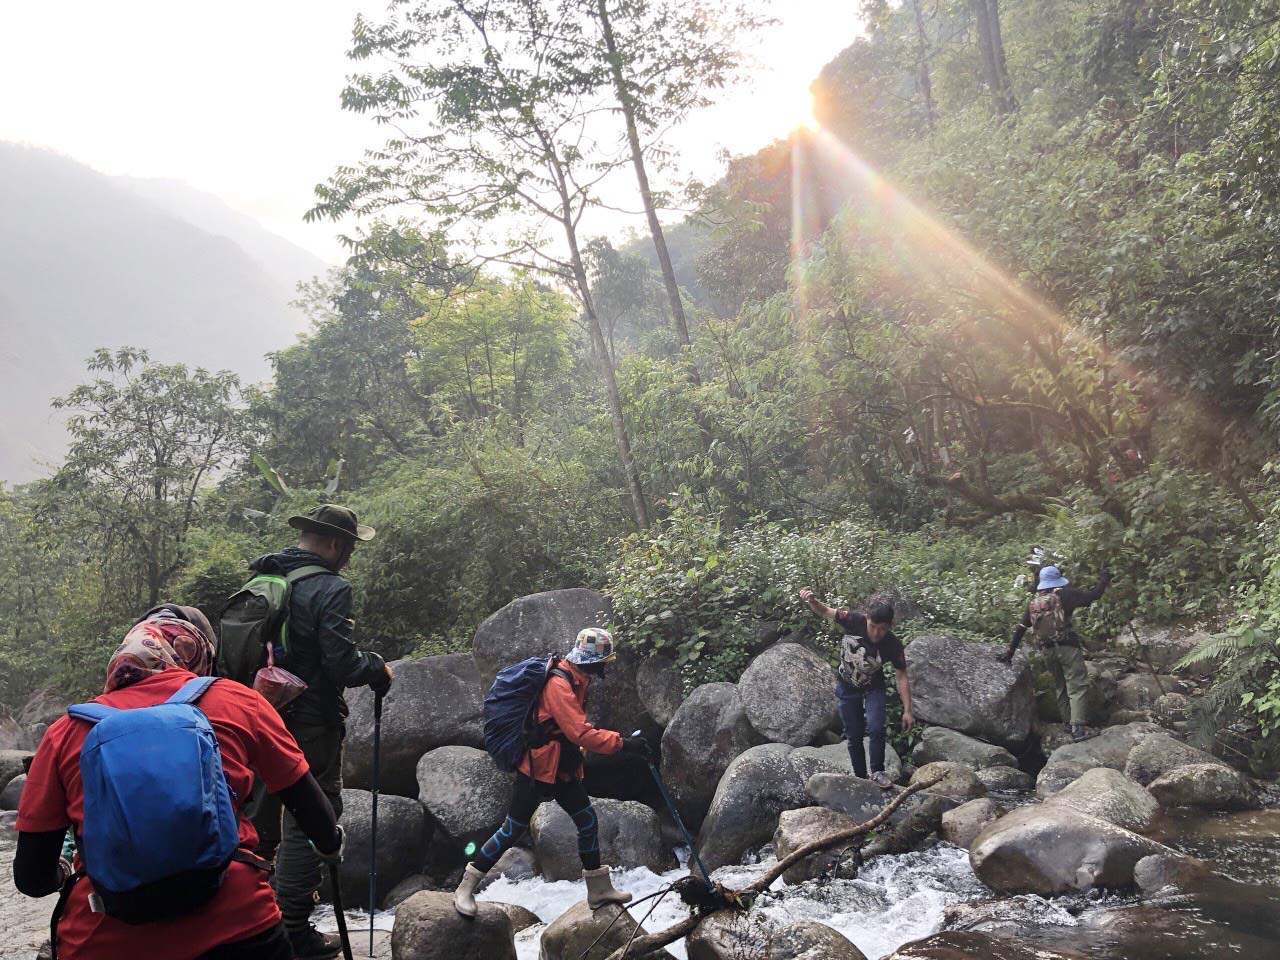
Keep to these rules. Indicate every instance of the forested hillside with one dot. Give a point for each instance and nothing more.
(1020, 287)
(89, 261)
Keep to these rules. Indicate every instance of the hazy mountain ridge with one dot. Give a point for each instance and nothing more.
(88, 260)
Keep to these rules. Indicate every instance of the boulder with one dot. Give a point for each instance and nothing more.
(1160, 873)
(12, 792)
(403, 835)
(861, 800)
(708, 731)
(1162, 647)
(939, 743)
(406, 888)
(630, 836)
(13, 763)
(797, 828)
(434, 702)
(755, 789)
(1156, 755)
(1005, 779)
(835, 759)
(1110, 748)
(518, 863)
(660, 688)
(1172, 708)
(961, 825)
(1140, 691)
(547, 623)
(522, 918)
(464, 792)
(958, 782)
(429, 928)
(789, 694)
(1209, 786)
(964, 686)
(731, 936)
(1053, 850)
(969, 945)
(1111, 796)
(572, 934)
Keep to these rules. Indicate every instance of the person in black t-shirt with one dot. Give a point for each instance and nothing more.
(868, 643)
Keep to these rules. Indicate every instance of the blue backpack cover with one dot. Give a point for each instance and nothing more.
(159, 825)
(510, 727)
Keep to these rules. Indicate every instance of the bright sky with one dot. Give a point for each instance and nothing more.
(241, 97)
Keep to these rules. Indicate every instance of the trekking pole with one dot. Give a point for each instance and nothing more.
(675, 815)
(373, 822)
(336, 882)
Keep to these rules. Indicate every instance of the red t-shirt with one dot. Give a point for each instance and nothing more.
(252, 738)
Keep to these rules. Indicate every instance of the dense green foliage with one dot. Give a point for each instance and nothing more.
(1019, 289)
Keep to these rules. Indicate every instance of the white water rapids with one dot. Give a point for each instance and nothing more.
(896, 899)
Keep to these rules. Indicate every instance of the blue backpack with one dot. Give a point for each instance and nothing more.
(160, 828)
(510, 727)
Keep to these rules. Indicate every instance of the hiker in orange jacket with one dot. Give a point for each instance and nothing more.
(553, 771)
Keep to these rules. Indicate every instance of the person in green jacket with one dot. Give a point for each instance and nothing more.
(323, 653)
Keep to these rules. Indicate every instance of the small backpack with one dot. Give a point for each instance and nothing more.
(1048, 618)
(160, 828)
(255, 615)
(510, 726)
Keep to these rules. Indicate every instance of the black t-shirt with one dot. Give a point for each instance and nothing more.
(861, 661)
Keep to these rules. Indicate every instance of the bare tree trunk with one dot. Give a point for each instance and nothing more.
(639, 505)
(922, 66)
(986, 15)
(642, 178)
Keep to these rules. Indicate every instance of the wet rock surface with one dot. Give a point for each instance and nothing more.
(630, 836)
(1053, 850)
(708, 732)
(965, 687)
(429, 928)
(787, 692)
(1111, 796)
(434, 702)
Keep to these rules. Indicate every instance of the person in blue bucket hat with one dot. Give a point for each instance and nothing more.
(1048, 617)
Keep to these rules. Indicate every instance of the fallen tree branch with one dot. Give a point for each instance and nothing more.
(652, 942)
(1011, 503)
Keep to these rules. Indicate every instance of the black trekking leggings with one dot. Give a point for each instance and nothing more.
(527, 796)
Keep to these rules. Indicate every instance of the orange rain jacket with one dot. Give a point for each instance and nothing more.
(562, 707)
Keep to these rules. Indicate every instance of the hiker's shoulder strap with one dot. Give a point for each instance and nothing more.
(90, 712)
(302, 573)
(192, 690)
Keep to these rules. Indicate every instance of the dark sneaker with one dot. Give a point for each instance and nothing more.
(311, 944)
(881, 780)
(1080, 732)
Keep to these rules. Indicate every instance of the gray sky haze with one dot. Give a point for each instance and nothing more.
(241, 98)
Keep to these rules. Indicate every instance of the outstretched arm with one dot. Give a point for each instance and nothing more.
(816, 605)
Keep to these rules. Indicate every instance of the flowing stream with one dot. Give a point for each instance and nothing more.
(901, 898)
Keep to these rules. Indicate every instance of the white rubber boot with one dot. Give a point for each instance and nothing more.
(600, 889)
(464, 898)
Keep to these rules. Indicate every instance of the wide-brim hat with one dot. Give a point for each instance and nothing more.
(331, 520)
(1051, 578)
(593, 645)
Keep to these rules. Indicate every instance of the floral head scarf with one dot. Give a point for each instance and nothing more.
(167, 638)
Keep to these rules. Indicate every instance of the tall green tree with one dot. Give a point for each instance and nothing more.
(147, 441)
(508, 137)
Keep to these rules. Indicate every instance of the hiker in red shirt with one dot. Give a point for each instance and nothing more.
(161, 653)
(554, 771)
